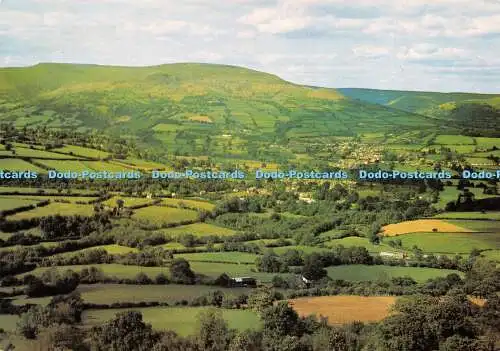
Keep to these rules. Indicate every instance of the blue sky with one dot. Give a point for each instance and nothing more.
(438, 45)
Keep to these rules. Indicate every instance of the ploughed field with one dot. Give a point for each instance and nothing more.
(344, 309)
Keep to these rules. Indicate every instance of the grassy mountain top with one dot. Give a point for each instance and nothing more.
(191, 108)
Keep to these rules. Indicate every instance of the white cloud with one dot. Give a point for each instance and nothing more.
(427, 51)
(370, 51)
(409, 44)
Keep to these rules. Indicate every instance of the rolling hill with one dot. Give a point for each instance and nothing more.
(476, 114)
(190, 108)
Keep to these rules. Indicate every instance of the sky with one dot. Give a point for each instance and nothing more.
(434, 45)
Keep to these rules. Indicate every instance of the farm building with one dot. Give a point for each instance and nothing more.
(243, 282)
(305, 281)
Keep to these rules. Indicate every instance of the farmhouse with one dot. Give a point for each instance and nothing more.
(243, 282)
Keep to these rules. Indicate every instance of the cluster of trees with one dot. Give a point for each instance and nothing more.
(58, 226)
(52, 284)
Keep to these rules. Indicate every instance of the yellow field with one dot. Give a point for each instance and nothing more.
(200, 118)
(422, 225)
(344, 309)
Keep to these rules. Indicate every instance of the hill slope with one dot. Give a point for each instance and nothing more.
(477, 114)
(189, 108)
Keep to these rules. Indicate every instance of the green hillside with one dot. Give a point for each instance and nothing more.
(475, 114)
(191, 109)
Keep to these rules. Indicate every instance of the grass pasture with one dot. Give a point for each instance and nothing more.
(54, 208)
(451, 243)
(182, 320)
(451, 193)
(112, 249)
(477, 226)
(421, 225)
(493, 255)
(34, 153)
(199, 229)
(209, 269)
(344, 309)
(164, 215)
(114, 270)
(127, 201)
(8, 322)
(83, 151)
(115, 293)
(214, 270)
(470, 215)
(357, 241)
(360, 272)
(223, 257)
(10, 203)
(171, 293)
(444, 139)
(487, 142)
(302, 248)
(65, 166)
(14, 164)
(202, 205)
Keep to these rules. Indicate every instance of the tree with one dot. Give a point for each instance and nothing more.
(126, 332)
(247, 340)
(260, 299)
(281, 320)
(313, 267)
(60, 337)
(212, 331)
(329, 339)
(181, 272)
(270, 262)
(120, 204)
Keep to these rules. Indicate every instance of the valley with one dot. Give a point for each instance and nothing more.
(177, 249)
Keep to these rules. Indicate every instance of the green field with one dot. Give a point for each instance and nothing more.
(83, 151)
(112, 249)
(8, 189)
(64, 166)
(14, 164)
(478, 226)
(488, 142)
(214, 270)
(230, 257)
(8, 322)
(198, 229)
(363, 242)
(164, 215)
(62, 209)
(114, 293)
(105, 166)
(9, 203)
(189, 203)
(71, 199)
(127, 201)
(114, 270)
(148, 165)
(492, 255)
(469, 215)
(181, 320)
(451, 193)
(303, 248)
(454, 140)
(451, 243)
(368, 273)
(34, 153)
